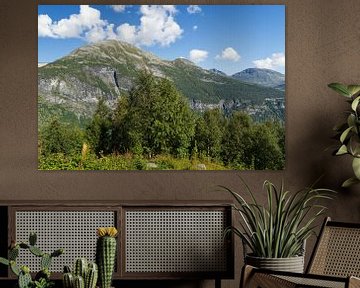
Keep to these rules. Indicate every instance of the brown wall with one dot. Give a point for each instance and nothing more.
(322, 46)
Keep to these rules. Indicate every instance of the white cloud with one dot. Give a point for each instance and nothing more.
(229, 54)
(195, 27)
(118, 8)
(192, 9)
(197, 55)
(276, 60)
(44, 26)
(157, 26)
(127, 32)
(87, 22)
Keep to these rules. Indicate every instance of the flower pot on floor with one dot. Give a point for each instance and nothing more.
(291, 264)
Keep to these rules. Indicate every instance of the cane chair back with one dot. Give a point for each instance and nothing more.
(337, 252)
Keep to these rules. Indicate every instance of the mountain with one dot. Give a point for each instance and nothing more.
(264, 77)
(216, 71)
(71, 86)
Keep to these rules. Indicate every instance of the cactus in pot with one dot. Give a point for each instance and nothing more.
(85, 275)
(106, 254)
(42, 278)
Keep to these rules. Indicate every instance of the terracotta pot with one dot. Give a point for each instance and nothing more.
(291, 264)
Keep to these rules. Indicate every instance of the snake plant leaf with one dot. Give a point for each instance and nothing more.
(356, 167)
(340, 88)
(355, 103)
(349, 182)
(279, 228)
(345, 134)
(342, 150)
(353, 89)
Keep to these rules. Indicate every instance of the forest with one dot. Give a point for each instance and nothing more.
(152, 127)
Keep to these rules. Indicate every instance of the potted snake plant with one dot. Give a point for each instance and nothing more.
(274, 234)
(349, 132)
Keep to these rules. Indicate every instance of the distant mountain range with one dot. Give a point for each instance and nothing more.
(264, 77)
(71, 86)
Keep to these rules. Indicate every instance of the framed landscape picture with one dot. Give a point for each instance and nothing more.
(161, 87)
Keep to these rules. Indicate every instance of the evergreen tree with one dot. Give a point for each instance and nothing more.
(100, 129)
(120, 138)
(57, 137)
(159, 119)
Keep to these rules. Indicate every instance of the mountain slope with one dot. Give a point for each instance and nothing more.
(109, 68)
(264, 77)
(216, 71)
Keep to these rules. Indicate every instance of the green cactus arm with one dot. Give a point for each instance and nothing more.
(14, 268)
(24, 245)
(91, 276)
(36, 251)
(24, 280)
(57, 252)
(13, 253)
(67, 269)
(80, 267)
(32, 238)
(79, 282)
(25, 269)
(45, 261)
(68, 280)
(4, 261)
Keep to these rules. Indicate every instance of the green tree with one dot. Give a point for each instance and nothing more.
(265, 148)
(100, 129)
(57, 137)
(159, 119)
(120, 138)
(209, 133)
(237, 142)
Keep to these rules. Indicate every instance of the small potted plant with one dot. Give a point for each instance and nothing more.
(84, 274)
(276, 233)
(42, 278)
(106, 254)
(349, 131)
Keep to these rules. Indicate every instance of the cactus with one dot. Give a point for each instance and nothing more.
(24, 280)
(32, 239)
(68, 280)
(23, 273)
(14, 268)
(13, 253)
(91, 276)
(45, 261)
(36, 251)
(79, 282)
(90, 272)
(57, 252)
(105, 255)
(80, 267)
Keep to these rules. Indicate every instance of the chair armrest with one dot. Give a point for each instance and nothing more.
(253, 278)
(354, 282)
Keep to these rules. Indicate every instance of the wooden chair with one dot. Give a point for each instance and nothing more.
(335, 262)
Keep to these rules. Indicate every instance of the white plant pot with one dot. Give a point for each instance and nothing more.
(291, 264)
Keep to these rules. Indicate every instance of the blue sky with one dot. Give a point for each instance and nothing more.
(230, 38)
